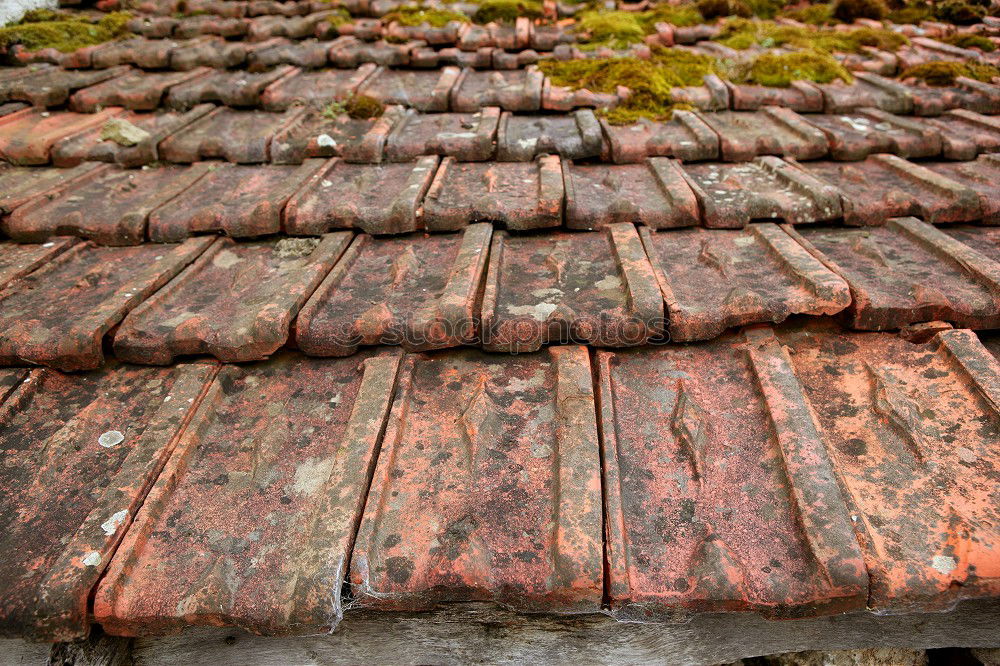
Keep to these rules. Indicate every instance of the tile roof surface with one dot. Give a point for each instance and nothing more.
(257, 330)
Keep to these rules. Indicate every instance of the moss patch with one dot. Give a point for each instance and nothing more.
(820, 13)
(360, 107)
(912, 12)
(779, 70)
(64, 33)
(850, 10)
(971, 42)
(339, 17)
(619, 29)
(743, 34)
(415, 15)
(959, 12)
(944, 73)
(712, 9)
(506, 11)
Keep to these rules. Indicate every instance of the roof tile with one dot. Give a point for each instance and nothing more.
(236, 88)
(80, 452)
(965, 134)
(296, 438)
(317, 134)
(309, 54)
(352, 52)
(238, 136)
(867, 90)
(17, 260)
(981, 176)
(858, 134)
(467, 504)
(685, 136)
(27, 137)
(771, 131)
(518, 90)
(316, 89)
(714, 279)
(138, 91)
(379, 199)
(519, 195)
(572, 136)
(801, 96)
(417, 291)
(984, 240)
(967, 94)
(49, 86)
(18, 185)
(421, 90)
(726, 442)
(58, 315)
(907, 272)
(464, 136)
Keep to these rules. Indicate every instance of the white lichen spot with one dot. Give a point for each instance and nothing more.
(111, 525)
(325, 141)
(312, 474)
(944, 564)
(226, 259)
(111, 438)
(92, 559)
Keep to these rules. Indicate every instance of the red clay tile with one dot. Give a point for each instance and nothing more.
(908, 272)
(704, 446)
(229, 88)
(540, 290)
(379, 199)
(965, 134)
(464, 136)
(858, 134)
(50, 86)
(17, 260)
(801, 96)
(487, 487)
(984, 240)
(967, 94)
(19, 185)
(572, 136)
(731, 195)
(27, 137)
(982, 176)
(12, 107)
(140, 52)
(421, 292)
(192, 26)
(58, 315)
(867, 90)
(265, 7)
(80, 451)
(238, 200)
(110, 206)
(88, 145)
(235, 302)
(519, 90)
(214, 52)
(427, 57)
(771, 131)
(655, 194)
(885, 186)
(317, 134)
(315, 89)
(519, 195)
(292, 27)
(912, 430)
(423, 91)
(563, 98)
(685, 136)
(137, 91)
(714, 279)
(352, 52)
(244, 137)
(153, 27)
(444, 35)
(309, 54)
(252, 520)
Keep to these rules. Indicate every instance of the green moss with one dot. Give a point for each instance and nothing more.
(66, 33)
(912, 12)
(679, 15)
(742, 34)
(619, 29)
(765, 9)
(959, 12)
(780, 69)
(850, 10)
(967, 41)
(363, 107)
(944, 73)
(712, 9)
(416, 15)
(339, 17)
(819, 14)
(506, 11)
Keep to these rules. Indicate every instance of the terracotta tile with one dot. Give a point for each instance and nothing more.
(858, 134)
(468, 137)
(571, 136)
(967, 94)
(965, 134)
(725, 443)
(912, 429)
(316, 134)
(984, 240)
(731, 195)
(252, 520)
(315, 89)
(17, 260)
(192, 26)
(655, 194)
(771, 131)
(110, 206)
(212, 51)
(423, 91)
(50, 86)
(801, 96)
(292, 27)
(519, 90)
(153, 27)
(714, 279)
(235, 302)
(244, 137)
(563, 98)
(27, 137)
(19, 185)
(12, 107)
(238, 200)
(139, 51)
(379, 199)
(138, 91)
(982, 176)
(487, 488)
(58, 315)
(309, 54)
(427, 57)
(519, 195)
(445, 35)
(421, 292)
(353, 52)
(229, 88)
(540, 290)
(80, 452)
(88, 145)
(266, 7)
(907, 272)
(685, 136)
(885, 186)
(867, 90)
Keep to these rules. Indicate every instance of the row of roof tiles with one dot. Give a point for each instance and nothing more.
(243, 301)
(65, 138)
(792, 472)
(115, 206)
(457, 89)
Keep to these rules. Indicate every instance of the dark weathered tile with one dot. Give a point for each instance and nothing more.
(137, 91)
(49, 86)
(321, 134)
(856, 135)
(965, 134)
(28, 136)
(771, 131)
(237, 88)
(982, 176)
(421, 90)
(468, 137)
(685, 136)
(19, 185)
(244, 137)
(572, 136)
(316, 89)
(518, 90)
(19, 259)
